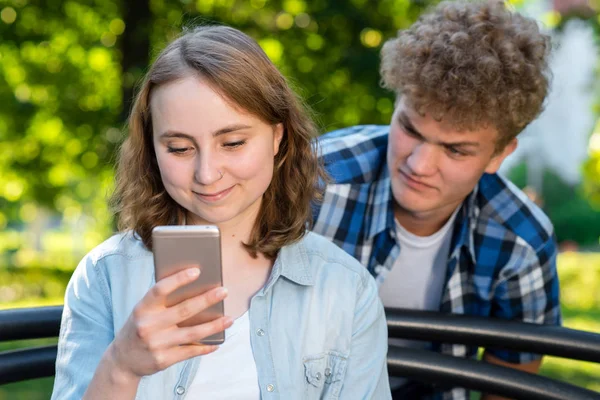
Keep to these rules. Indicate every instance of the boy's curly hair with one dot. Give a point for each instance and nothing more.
(471, 64)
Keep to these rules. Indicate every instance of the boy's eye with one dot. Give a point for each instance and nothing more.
(455, 152)
(410, 132)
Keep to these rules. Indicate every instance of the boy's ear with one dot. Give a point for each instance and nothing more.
(496, 161)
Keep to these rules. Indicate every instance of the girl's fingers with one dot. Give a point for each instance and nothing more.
(193, 334)
(161, 360)
(157, 295)
(181, 353)
(192, 306)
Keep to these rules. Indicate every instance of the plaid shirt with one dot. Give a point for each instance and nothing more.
(502, 259)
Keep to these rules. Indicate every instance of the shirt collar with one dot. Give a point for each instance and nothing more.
(292, 263)
(465, 225)
(382, 217)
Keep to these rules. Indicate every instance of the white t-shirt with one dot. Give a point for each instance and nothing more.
(229, 372)
(417, 277)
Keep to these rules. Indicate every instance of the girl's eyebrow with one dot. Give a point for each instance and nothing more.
(221, 131)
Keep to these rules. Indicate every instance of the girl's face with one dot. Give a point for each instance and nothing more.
(215, 160)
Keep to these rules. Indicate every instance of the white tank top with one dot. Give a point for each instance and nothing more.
(418, 274)
(417, 277)
(229, 372)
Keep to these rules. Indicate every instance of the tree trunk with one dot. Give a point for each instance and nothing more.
(135, 48)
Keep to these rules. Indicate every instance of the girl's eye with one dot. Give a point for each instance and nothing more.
(178, 150)
(233, 145)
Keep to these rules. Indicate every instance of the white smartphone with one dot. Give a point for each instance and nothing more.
(179, 247)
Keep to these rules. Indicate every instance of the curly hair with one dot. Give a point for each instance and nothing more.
(238, 69)
(471, 64)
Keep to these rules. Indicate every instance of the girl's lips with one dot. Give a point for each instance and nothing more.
(212, 197)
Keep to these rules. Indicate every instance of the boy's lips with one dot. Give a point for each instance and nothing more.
(414, 183)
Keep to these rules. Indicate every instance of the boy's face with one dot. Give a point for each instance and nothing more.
(433, 168)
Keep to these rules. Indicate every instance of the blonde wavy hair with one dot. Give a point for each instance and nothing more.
(471, 63)
(237, 68)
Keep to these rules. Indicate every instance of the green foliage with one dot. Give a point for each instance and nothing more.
(591, 171)
(60, 96)
(589, 12)
(591, 168)
(64, 74)
(328, 49)
(35, 285)
(573, 217)
(579, 275)
(518, 175)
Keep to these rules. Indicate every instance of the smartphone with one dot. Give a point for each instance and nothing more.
(177, 248)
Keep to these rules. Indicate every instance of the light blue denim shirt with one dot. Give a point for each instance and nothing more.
(317, 327)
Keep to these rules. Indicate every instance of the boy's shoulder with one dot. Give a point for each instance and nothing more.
(502, 203)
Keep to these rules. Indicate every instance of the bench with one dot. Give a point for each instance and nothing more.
(421, 365)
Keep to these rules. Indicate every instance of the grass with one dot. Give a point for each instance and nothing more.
(36, 389)
(584, 374)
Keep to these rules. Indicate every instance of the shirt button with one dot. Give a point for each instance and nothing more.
(260, 332)
(318, 376)
(327, 371)
(270, 388)
(180, 390)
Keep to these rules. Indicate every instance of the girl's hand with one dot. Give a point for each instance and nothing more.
(150, 341)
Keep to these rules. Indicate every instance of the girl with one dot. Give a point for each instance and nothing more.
(217, 137)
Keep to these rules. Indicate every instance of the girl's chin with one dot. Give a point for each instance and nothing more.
(208, 218)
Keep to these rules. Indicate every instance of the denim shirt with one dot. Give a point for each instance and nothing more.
(317, 327)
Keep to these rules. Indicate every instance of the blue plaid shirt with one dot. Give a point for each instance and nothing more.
(502, 259)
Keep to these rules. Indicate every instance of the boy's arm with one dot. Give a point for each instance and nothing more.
(531, 294)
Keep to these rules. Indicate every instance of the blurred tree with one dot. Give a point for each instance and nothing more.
(574, 219)
(590, 12)
(591, 169)
(580, 205)
(329, 50)
(135, 48)
(68, 70)
(60, 90)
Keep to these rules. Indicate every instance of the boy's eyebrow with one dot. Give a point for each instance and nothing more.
(407, 124)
